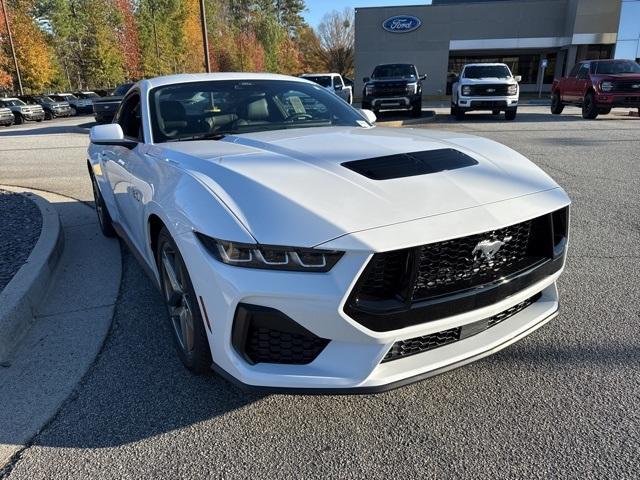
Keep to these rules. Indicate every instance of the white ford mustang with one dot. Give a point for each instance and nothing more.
(299, 247)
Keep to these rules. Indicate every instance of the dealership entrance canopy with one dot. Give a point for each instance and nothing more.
(538, 39)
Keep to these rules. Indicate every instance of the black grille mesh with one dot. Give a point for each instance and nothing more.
(273, 346)
(445, 267)
(492, 90)
(413, 346)
(626, 86)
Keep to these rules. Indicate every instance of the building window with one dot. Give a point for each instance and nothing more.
(525, 65)
(594, 52)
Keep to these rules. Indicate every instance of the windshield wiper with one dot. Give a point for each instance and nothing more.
(207, 136)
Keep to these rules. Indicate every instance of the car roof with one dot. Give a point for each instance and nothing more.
(318, 74)
(148, 84)
(9, 98)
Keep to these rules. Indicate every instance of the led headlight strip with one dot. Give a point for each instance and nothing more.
(271, 257)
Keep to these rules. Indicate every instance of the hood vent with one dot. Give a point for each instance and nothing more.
(411, 164)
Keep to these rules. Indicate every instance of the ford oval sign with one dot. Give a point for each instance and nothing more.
(401, 24)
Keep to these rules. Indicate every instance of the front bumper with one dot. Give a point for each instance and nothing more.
(353, 360)
(397, 102)
(104, 117)
(487, 103)
(84, 109)
(33, 116)
(618, 100)
(62, 112)
(7, 119)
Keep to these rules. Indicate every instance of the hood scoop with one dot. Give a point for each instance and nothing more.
(411, 164)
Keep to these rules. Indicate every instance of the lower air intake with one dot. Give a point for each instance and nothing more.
(266, 335)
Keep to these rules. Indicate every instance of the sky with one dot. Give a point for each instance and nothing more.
(317, 8)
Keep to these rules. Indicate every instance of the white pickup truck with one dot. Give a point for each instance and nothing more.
(332, 82)
(485, 86)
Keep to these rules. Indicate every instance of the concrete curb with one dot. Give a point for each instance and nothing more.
(70, 326)
(427, 117)
(20, 298)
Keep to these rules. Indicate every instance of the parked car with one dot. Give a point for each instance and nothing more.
(52, 109)
(598, 86)
(485, 86)
(105, 108)
(79, 106)
(21, 111)
(6, 117)
(298, 246)
(394, 86)
(332, 82)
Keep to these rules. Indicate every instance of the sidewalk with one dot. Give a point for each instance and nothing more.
(70, 325)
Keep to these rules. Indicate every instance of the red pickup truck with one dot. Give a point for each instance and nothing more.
(598, 86)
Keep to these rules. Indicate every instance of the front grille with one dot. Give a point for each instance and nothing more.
(416, 285)
(266, 335)
(414, 346)
(493, 90)
(453, 265)
(390, 89)
(627, 86)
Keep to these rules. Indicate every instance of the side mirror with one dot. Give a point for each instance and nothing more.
(366, 79)
(368, 115)
(423, 77)
(110, 134)
(518, 78)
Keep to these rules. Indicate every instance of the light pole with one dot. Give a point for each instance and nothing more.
(13, 50)
(205, 38)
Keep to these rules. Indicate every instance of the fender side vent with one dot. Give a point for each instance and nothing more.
(411, 164)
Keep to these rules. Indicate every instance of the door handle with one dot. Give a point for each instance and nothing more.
(121, 162)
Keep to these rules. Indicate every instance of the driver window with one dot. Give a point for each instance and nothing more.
(130, 118)
(583, 72)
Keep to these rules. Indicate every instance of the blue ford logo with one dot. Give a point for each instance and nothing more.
(401, 24)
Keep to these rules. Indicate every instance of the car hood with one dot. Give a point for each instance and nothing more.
(487, 80)
(375, 81)
(289, 187)
(621, 76)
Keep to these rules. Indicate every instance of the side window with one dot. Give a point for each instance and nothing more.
(574, 71)
(130, 119)
(584, 71)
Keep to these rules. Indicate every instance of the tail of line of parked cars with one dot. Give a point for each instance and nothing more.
(595, 86)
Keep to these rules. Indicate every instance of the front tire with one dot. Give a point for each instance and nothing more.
(510, 113)
(104, 218)
(589, 107)
(74, 112)
(19, 119)
(186, 322)
(48, 116)
(416, 110)
(556, 104)
(458, 113)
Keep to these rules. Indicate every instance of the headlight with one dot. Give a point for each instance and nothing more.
(512, 89)
(606, 86)
(368, 90)
(466, 90)
(412, 88)
(270, 257)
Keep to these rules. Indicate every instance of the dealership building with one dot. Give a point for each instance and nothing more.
(538, 39)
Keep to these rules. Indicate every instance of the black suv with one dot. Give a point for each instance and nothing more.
(52, 109)
(394, 86)
(105, 108)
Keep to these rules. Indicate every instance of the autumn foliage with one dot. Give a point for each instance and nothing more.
(82, 44)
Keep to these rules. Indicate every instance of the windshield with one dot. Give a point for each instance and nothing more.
(47, 100)
(13, 102)
(214, 108)
(323, 80)
(487, 71)
(121, 90)
(615, 68)
(395, 70)
(66, 96)
(88, 95)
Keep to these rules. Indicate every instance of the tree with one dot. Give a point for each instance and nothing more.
(336, 37)
(35, 57)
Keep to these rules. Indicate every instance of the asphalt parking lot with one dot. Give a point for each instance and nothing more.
(562, 403)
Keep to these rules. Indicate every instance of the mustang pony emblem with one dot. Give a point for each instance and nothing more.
(488, 248)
